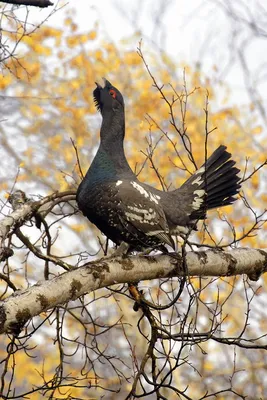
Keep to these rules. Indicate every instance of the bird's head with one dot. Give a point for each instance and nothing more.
(107, 97)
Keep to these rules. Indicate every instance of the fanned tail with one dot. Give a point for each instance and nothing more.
(215, 184)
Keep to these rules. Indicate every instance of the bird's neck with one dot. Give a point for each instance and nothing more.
(110, 161)
(112, 131)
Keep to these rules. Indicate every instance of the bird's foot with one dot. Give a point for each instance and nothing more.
(148, 250)
(121, 251)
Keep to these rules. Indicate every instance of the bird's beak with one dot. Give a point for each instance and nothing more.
(99, 86)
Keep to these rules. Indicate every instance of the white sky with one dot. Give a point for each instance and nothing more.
(195, 31)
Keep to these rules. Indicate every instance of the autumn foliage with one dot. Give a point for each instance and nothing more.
(51, 130)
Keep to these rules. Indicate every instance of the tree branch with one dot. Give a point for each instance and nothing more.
(24, 210)
(35, 3)
(17, 309)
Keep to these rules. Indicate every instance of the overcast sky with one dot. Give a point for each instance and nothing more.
(196, 32)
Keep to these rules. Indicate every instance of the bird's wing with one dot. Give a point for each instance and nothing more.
(141, 208)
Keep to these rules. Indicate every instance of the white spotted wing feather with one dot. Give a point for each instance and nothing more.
(141, 209)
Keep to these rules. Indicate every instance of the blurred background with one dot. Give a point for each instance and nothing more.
(210, 56)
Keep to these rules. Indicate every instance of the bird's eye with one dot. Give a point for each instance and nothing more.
(112, 93)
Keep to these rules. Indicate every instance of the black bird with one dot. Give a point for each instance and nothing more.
(127, 210)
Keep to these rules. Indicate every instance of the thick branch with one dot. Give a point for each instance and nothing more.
(35, 3)
(17, 309)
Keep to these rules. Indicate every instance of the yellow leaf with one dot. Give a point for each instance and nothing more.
(72, 41)
(83, 38)
(67, 21)
(36, 109)
(5, 81)
(257, 130)
(78, 227)
(92, 35)
(55, 141)
(74, 27)
(28, 40)
(255, 181)
(98, 55)
(75, 84)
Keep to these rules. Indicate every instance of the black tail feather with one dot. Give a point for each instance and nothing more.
(225, 173)
(219, 178)
(219, 188)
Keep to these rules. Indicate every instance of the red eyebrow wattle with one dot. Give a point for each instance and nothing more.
(113, 93)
